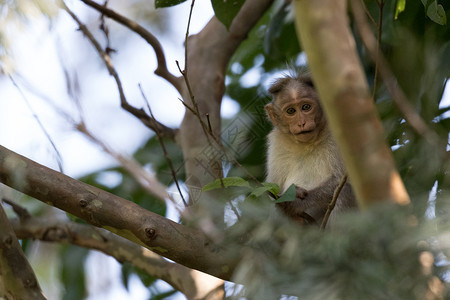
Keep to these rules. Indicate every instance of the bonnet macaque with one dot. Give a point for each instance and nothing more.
(301, 151)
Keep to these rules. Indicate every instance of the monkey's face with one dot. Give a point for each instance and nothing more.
(302, 118)
(296, 111)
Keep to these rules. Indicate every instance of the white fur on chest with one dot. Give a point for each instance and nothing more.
(306, 166)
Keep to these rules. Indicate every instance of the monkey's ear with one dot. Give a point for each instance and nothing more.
(271, 114)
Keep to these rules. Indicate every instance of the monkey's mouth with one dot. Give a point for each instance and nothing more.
(305, 132)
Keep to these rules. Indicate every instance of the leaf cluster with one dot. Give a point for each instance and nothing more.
(361, 258)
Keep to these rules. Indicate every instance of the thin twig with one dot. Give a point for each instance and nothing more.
(149, 183)
(44, 130)
(379, 33)
(191, 94)
(209, 122)
(368, 13)
(207, 129)
(161, 69)
(138, 113)
(184, 72)
(163, 147)
(211, 134)
(186, 38)
(332, 204)
(399, 97)
(187, 106)
(20, 211)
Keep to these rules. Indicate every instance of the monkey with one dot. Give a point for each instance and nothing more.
(302, 151)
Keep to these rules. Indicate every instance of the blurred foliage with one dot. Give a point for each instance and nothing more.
(360, 258)
(167, 3)
(225, 11)
(72, 272)
(14, 15)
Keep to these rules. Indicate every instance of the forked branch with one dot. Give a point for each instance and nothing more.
(161, 69)
(138, 113)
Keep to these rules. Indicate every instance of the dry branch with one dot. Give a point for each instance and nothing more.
(138, 113)
(161, 69)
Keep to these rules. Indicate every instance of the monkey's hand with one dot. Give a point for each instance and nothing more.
(296, 211)
(296, 207)
(300, 193)
(292, 208)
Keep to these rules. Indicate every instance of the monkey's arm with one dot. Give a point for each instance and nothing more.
(315, 201)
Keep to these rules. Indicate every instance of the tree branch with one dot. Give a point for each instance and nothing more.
(208, 56)
(17, 279)
(332, 203)
(323, 28)
(179, 243)
(138, 113)
(413, 118)
(147, 181)
(178, 276)
(161, 69)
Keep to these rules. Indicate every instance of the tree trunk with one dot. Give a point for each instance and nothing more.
(323, 28)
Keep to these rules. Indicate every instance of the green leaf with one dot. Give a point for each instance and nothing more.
(288, 196)
(167, 3)
(280, 40)
(435, 11)
(259, 191)
(226, 182)
(399, 7)
(226, 10)
(271, 187)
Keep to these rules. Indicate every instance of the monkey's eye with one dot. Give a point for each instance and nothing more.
(290, 111)
(306, 107)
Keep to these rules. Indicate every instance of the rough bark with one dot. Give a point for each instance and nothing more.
(17, 279)
(323, 29)
(179, 243)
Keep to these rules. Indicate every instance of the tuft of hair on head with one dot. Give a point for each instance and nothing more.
(300, 74)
